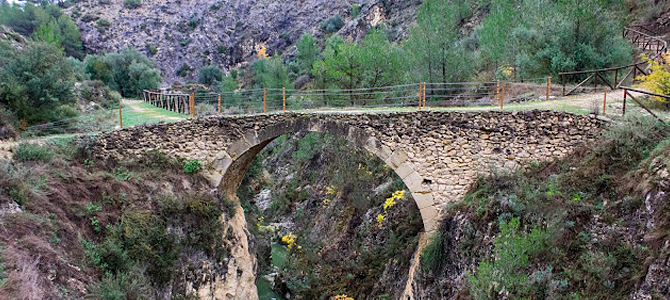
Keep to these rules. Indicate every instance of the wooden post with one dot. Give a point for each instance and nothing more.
(498, 90)
(219, 104)
(563, 79)
(420, 92)
(604, 101)
(284, 98)
(623, 110)
(502, 94)
(120, 115)
(265, 101)
(548, 88)
(192, 105)
(424, 95)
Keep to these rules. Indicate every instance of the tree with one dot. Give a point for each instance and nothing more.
(128, 72)
(271, 73)
(210, 75)
(307, 52)
(45, 22)
(435, 48)
(36, 82)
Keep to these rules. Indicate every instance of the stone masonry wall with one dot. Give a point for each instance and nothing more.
(438, 154)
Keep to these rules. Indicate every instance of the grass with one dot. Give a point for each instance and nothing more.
(136, 112)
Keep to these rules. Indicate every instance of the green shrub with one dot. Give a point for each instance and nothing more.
(132, 4)
(355, 10)
(184, 70)
(333, 24)
(210, 75)
(32, 152)
(509, 268)
(152, 49)
(122, 286)
(192, 166)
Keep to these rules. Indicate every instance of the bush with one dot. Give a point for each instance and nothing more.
(97, 92)
(355, 10)
(658, 81)
(32, 152)
(132, 4)
(127, 72)
(333, 24)
(122, 286)
(184, 70)
(192, 166)
(210, 75)
(36, 82)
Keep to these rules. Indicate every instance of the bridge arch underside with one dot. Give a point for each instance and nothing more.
(232, 164)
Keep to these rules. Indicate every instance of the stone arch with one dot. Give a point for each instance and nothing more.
(230, 165)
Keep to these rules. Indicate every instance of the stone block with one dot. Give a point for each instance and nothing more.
(430, 216)
(423, 200)
(397, 158)
(404, 170)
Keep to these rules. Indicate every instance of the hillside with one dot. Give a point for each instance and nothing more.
(224, 33)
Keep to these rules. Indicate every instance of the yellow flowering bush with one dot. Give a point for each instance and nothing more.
(342, 297)
(390, 202)
(658, 81)
(290, 240)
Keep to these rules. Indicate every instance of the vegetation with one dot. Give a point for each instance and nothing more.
(132, 4)
(127, 238)
(128, 72)
(341, 255)
(333, 24)
(549, 242)
(210, 75)
(45, 23)
(36, 83)
(658, 81)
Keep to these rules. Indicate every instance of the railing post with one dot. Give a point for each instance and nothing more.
(498, 90)
(420, 89)
(265, 101)
(192, 105)
(283, 91)
(425, 104)
(219, 104)
(623, 110)
(120, 115)
(502, 95)
(548, 88)
(604, 101)
(563, 80)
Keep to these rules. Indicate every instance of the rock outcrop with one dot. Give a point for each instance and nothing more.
(193, 34)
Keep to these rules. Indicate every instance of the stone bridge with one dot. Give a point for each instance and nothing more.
(437, 154)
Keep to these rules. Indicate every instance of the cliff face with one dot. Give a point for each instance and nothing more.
(226, 33)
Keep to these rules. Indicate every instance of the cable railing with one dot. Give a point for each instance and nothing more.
(417, 95)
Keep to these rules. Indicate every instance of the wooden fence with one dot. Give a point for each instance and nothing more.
(640, 36)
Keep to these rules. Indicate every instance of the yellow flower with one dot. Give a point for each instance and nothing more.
(342, 297)
(290, 239)
(380, 219)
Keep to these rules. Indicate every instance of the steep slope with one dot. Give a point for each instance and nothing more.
(314, 204)
(196, 33)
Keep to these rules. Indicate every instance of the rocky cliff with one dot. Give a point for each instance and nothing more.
(189, 34)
